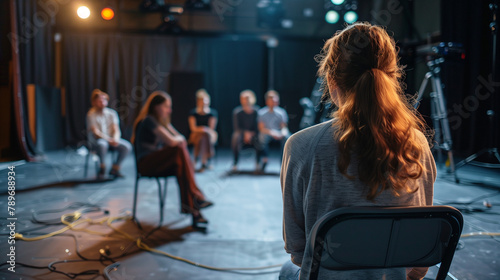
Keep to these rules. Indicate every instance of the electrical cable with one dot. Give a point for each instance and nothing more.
(145, 247)
(472, 200)
(480, 233)
(93, 208)
(108, 268)
(74, 219)
(69, 274)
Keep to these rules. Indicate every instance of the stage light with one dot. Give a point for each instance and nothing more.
(176, 9)
(350, 17)
(270, 14)
(152, 6)
(332, 17)
(83, 12)
(107, 13)
(338, 2)
(169, 25)
(203, 5)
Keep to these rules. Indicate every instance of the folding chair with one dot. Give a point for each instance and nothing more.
(162, 190)
(384, 237)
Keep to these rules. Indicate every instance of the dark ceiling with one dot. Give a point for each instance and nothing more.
(300, 18)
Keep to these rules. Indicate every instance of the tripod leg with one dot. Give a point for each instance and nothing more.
(437, 126)
(442, 114)
(495, 153)
(440, 118)
(470, 158)
(428, 75)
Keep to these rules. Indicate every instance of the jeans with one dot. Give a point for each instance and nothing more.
(124, 147)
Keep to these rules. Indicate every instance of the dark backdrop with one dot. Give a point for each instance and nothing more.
(468, 92)
(130, 66)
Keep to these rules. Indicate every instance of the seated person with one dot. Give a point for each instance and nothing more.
(373, 153)
(273, 125)
(161, 148)
(104, 133)
(202, 123)
(245, 125)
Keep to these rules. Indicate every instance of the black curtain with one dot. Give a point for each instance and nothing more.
(130, 66)
(296, 75)
(229, 67)
(469, 86)
(33, 37)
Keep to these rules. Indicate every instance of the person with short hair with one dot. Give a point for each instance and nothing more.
(202, 123)
(373, 153)
(273, 126)
(104, 133)
(245, 126)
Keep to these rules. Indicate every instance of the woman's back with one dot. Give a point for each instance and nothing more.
(313, 185)
(372, 153)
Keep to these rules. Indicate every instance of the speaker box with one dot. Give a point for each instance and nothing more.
(182, 88)
(45, 117)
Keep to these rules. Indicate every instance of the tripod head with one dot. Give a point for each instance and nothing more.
(493, 25)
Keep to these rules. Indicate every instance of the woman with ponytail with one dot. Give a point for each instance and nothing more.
(372, 153)
(161, 149)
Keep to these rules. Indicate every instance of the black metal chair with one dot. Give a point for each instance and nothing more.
(384, 237)
(162, 189)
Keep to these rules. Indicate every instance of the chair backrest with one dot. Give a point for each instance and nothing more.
(384, 237)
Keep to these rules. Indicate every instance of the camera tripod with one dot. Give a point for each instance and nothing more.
(438, 109)
(492, 151)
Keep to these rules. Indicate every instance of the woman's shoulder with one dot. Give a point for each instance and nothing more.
(307, 135)
(149, 121)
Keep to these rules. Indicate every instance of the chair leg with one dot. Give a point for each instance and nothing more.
(136, 188)
(162, 192)
(96, 163)
(85, 168)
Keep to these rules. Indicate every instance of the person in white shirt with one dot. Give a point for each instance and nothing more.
(273, 125)
(104, 133)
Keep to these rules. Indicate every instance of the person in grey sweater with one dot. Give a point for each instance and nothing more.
(373, 152)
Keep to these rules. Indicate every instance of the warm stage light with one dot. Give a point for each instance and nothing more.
(338, 2)
(83, 12)
(107, 13)
(350, 17)
(332, 17)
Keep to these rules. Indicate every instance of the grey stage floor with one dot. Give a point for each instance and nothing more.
(244, 230)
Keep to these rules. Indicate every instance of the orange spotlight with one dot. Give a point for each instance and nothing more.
(107, 13)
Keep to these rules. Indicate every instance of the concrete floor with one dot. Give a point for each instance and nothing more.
(244, 229)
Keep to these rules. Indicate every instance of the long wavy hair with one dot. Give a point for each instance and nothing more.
(374, 120)
(156, 98)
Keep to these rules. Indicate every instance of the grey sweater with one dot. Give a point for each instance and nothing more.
(312, 185)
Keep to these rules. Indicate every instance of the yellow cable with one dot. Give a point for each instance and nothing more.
(109, 220)
(480, 233)
(76, 218)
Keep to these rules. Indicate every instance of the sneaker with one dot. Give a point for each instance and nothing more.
(263, 166)
(116, 173)
(234, 168)
(102, 173)
(257, 167)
